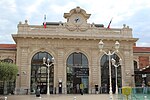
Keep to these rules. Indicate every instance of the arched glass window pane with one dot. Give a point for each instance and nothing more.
(44, 54)
(105, 73)
(77, 59)
(35, 57)
(103, 61)
(70, 60)
(84, 61)
(39, 73)
(77, 72)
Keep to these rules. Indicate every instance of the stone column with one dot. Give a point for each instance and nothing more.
(94, 68)
(61, 69)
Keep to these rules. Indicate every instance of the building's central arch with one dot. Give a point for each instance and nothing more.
(77, 73)
(39, 73)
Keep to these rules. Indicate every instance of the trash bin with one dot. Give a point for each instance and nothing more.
(27, 91)
(96, 89)
(60, 87)
(38, 92)
(55, 90)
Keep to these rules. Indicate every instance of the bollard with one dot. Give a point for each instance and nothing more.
(5, 98)
(145, 98)
(74, 98)
(110, 97)
(126, 91)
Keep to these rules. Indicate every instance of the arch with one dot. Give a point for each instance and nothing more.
(8, 60)
(77, 51)
(104, 68)
(137, 75)
(41, 50)
(135, 65)
(77, 71)
(39, 73)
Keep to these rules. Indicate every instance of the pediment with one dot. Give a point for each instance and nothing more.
(77, 19)
(77, 10)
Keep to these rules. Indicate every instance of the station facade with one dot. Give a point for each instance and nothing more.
(74, 45)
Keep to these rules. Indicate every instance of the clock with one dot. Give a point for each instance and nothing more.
(77, 19)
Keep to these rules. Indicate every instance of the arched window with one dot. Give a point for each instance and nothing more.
(137, 75)
(39, 73)
(105, 73)
(8, 60)
(135, 66)
(77, 73)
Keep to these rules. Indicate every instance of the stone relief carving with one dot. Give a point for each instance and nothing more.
(72, 27)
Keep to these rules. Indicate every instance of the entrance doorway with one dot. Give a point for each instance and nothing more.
(105, 74)
(77, 73)
(76, 84)
(39, 73)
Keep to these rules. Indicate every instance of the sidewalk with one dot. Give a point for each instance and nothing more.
(74, 97)
(60, 97)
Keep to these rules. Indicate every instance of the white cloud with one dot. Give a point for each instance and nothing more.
(122, 11)
(8, 5)
(60, 9)
(33, 8)
(143, 44)
(104, 10)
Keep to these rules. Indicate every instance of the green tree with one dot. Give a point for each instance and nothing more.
(8, 73)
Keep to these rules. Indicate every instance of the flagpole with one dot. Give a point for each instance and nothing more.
(109, 23)
(44, 21)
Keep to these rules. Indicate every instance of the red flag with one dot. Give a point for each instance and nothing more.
(44, 21)
(109, 23)
(44, 24)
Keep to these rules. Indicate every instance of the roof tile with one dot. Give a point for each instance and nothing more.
(7, 46)
(141, 49)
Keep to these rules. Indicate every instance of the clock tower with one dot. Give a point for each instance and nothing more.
(77, 19)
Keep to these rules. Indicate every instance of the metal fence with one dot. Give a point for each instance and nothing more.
(138, 93)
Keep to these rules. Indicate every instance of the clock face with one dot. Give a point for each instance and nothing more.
(77, 19)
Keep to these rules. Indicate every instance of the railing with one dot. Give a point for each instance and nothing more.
(138, 93)
(63, 31)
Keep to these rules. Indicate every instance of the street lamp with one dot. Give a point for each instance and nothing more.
(48, 64)
(109, 54)
(116, 66)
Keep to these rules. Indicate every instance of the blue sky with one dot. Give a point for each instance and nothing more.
(133, 13)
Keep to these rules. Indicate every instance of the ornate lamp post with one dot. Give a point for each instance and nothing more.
(48, 64)
(116, 66)
(109, 54)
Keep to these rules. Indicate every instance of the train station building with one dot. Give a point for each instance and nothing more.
(74, 57)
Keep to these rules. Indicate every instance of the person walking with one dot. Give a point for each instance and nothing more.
(144, 88)
(81, 88)
(38, 92)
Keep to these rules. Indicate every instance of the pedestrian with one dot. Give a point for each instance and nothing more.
(144, 88)
(105, 88)
(38, 92)
(81, 89)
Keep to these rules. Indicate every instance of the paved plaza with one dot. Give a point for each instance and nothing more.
(73, 97)
(59, 97)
